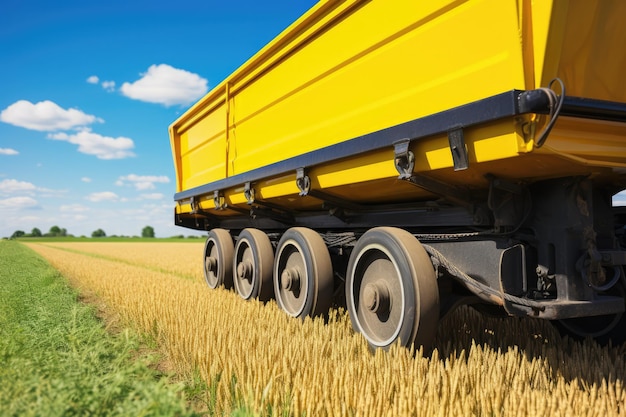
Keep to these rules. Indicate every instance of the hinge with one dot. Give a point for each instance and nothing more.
(218, 200)
(303, 182)
(248, 192)
(195, 207)
(404, 159)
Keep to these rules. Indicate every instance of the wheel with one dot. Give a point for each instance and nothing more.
(252, 265)
(391, 289)
(303, 273)
(601, 328)
(218, 259)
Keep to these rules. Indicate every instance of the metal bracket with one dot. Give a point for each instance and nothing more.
(218, 200)
(404, 159)
(504, 185)
(303, 182)
(457, 195)
(279, 216)
(248, 192)
(236, 209)
(458, 149)
(195, 207)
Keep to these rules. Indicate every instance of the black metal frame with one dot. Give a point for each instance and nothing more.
(594, 109)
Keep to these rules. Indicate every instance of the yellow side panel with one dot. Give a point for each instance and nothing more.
(545, 38)
(421, 58)
(592, 56)
(582, 43)
(594, 143)
(203, 150)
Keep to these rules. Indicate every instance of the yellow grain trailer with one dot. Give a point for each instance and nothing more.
(405, 157)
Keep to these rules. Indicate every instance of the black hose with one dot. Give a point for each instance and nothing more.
(556, 103)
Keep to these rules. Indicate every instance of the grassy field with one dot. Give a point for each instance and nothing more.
(57, 359)
(254, 358)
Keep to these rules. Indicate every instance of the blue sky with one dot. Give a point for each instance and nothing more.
(87, 92)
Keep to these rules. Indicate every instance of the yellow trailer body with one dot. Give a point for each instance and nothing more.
(346, 69)
(492, 130)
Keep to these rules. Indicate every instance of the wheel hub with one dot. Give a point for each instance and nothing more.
(376, 297)
(244, 270)
(211, 264)
(290, 279)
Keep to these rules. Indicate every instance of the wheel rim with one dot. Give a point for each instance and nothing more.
(244, 272)
(291, 271)
(211, 270)
(378, 295)
(596, 326)
(391, 289)
(593, 327)
(218, 252)
(303, 273)
(252, 265)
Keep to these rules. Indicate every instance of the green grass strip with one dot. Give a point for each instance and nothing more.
(56, 358)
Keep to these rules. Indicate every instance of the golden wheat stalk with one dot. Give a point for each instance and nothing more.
(480, 366)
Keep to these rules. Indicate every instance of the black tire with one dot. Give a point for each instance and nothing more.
(218, 259)
(252, 265)
(303, 273)
(391, 289)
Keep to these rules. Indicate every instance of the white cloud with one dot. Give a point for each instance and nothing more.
(48, 192)
(73, 208)
(152, 196)
(142, 182)
(85, 179)
(45, 116)
(12, 186)
(102, 196)
(74, 217)
(8, 151)
(18, 203)
(619, 199)
(103, 147)
(108, 85)
(166, 85)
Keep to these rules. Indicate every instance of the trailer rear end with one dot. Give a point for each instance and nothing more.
(403, 159)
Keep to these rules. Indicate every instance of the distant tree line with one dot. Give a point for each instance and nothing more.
(56, 231)
(147, 231)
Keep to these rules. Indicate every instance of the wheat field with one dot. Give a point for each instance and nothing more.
(251, 354)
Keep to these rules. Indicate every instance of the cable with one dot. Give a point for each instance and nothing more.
(556, 103)
(478, 288)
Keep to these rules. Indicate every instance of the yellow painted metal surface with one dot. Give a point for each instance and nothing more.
(571, 141)
(348, 68)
